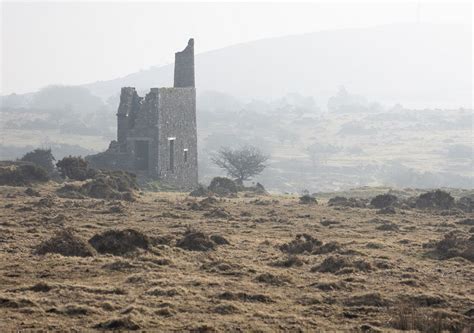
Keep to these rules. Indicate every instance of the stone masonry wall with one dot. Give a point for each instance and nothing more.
(184, 67)
(177, 119)
(146, 129)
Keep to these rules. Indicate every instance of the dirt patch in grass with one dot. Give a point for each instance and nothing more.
(66, 243)
(120, 242)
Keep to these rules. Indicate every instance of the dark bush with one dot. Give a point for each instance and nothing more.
(196, 241)
(120, 242)
(223, 186)
(435, 199)
(200, 191)
(66, 243)
(302, 243)
(466, 204)
(308, 199)
(453, 245)
(383, 200)
(75, 167)
(22, 174)
(346, 202)
(105, 185)
(40, 157)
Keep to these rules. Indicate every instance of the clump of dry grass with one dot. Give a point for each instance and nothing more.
(196, 241)
(302, 243)
(347, 202)
(219, 213)
(411, 318)
(368, 299)
(223, 267)
(453, 245)
(126, 324)
(226, 309)
(219, 240)
(244, 297)
(120, 242)
(290, 261)
(6, 302)
(271, 279)
(339, 265)
(110, 185)
(388, 226)
(66, 243)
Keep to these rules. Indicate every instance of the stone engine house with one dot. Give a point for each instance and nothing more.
(156, 134)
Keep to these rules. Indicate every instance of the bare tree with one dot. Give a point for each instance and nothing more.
(242, 163)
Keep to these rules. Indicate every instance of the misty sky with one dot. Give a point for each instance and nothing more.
(76, 43)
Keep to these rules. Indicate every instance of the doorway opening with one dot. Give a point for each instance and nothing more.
(141, 155)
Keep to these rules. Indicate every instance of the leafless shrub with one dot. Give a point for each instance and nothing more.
(241, 164)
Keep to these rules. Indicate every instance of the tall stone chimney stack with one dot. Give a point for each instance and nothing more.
(184, 67)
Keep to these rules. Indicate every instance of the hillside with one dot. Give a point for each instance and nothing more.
(422, 65)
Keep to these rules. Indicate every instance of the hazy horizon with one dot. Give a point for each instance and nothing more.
(96, 46)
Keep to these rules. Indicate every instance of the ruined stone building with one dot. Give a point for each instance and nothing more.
(156, 134)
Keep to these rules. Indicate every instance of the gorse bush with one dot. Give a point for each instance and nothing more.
(75, 167)
(41, 157)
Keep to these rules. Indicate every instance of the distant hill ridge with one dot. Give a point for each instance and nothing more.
(415, 64)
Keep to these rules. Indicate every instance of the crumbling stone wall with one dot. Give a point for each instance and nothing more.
(156, 135)
(127, 112)
(184, 67)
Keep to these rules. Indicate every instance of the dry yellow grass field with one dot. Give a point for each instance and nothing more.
(360, 271)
